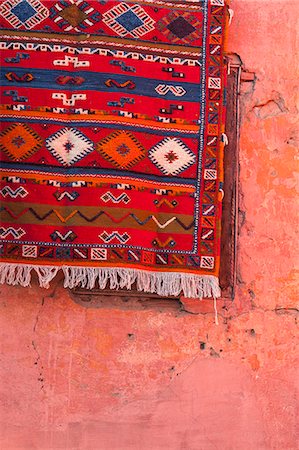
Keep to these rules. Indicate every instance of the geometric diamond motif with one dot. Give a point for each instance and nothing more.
(19, 141)
(122, 149)
(26, 13)
(23, 11)
(69, 145)
(171, 156)
(74, 15)
(180, 27)
(129, 20)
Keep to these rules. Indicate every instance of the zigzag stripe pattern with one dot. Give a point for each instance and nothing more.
(15, 233)
(164, 201)
(108, 196)
(68, 236)
(70, 195)
(169, 242)
(44, 216)
(108, 237)
(7, 191)
(164, 225)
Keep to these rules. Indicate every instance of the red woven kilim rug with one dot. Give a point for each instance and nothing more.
(111, 121)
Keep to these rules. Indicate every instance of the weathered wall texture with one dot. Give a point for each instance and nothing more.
(124, 377)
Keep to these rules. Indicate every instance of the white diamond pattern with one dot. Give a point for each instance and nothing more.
(69, 145)
(172, 156)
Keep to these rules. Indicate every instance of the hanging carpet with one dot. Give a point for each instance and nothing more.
(112, 114)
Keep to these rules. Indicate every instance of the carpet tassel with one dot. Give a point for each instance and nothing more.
(164, 284)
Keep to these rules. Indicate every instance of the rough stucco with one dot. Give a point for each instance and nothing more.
(122, 377)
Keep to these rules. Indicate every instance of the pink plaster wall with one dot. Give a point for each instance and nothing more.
(120, 377)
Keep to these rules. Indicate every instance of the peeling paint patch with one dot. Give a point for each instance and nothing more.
(271, 108)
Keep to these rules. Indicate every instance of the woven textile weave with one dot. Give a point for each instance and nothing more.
(111, 143)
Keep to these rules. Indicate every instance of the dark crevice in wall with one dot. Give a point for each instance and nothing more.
(125, 300)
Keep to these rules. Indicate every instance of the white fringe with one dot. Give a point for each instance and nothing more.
(161, 283)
